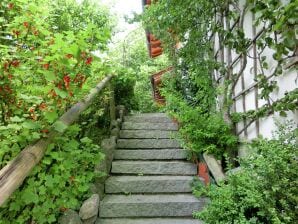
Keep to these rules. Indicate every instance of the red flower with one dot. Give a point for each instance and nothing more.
(26, 24)
(7, 89)
(16, 32)
(6, 65)
(63, 209)
(69, 56)
(89, 60)
(46, 66)
(45, 131)
(66, 80)
(10, 76)
(53, 93)
(72, 179)
(51, 42)
(78, 78)
(59, 85)
(10, 5)
(15, 63)
(42, 106)
(83, 54)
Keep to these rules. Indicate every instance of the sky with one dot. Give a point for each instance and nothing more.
(124, 8)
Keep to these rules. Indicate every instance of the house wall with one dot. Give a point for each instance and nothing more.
(250, 99)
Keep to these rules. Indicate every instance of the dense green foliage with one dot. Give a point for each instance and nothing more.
(263, 191)
(46, 65)
(58, 183)
(134, 68)
(201, 130)
(189, 91)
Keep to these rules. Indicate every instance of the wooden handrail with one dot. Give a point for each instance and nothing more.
(15, 172)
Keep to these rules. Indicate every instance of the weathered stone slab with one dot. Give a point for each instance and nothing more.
(214, 167)
(156, 134)
(70, 217)
(158, 205)
(149, 184)
(153, 119)
(90, 207)
(90, 221)
(154, 167)
(147, 144)
(150, 221)
(150, 115)
(149, 126)
(158, 154)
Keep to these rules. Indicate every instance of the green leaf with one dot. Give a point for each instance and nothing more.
(30, 125)
(29, 196)
(49, 76)
(60, 126)
(49, 181)
(51, 218)
(47, 161)
(16, 119)
(51, 116)
(72, 144)
(86, 140)
(36, 135)
(282, 114)
(61, 93)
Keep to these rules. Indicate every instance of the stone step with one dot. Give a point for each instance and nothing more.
(147, 143)
(157, 205)
(156, 134)
(148, 184)
(150, 221)
(154, 167)
(149, 126)
(144, 154)
(149, 115)
(154, 119)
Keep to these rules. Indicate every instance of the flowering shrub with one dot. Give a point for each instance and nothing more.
(46, 59)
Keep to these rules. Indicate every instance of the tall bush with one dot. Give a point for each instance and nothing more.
(263, 191)
(46, 65)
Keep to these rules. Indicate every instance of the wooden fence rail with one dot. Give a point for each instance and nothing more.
(15, 172)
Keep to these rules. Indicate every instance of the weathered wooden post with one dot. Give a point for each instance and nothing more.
(112, 105)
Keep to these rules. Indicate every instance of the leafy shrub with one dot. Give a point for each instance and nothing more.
(124, 85)
(263, 191)
(56, 184)
(200, 131)
(46, 65)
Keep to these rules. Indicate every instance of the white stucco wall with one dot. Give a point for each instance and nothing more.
(287, 82)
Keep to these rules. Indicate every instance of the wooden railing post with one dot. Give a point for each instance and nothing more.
(15, 172)
(112, 105)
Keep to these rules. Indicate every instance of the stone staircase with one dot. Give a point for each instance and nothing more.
(150, 177)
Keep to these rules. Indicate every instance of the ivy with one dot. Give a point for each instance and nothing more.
(287, 103)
